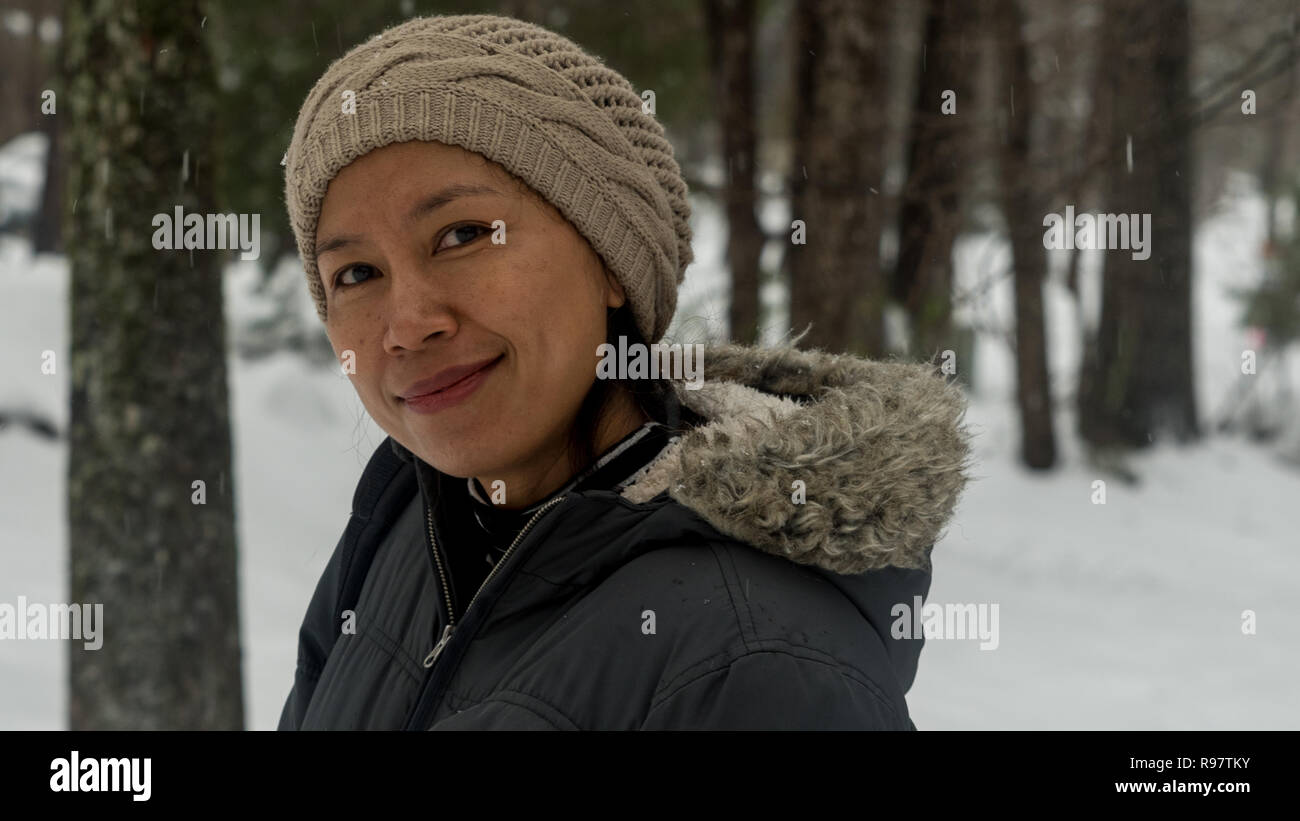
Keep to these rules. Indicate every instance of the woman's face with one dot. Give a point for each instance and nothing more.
(420, 286)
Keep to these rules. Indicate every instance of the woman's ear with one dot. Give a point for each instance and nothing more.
(615, 296)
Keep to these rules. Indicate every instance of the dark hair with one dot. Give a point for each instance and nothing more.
(656, 397)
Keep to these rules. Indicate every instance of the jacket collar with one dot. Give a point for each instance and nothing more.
(879, 447)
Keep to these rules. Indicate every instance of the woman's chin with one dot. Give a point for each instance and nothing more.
(462, 454)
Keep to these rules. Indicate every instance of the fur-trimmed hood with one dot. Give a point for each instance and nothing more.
(835, 461)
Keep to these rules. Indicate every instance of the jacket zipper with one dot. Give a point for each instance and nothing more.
(446, 592)
(450, 629)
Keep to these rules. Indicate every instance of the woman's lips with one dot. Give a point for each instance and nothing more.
(451, 395)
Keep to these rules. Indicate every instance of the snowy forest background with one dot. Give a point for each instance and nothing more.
(924, 235)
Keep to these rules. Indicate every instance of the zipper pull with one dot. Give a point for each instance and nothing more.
(437, 648)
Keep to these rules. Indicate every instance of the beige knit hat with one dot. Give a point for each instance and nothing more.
(532, 101)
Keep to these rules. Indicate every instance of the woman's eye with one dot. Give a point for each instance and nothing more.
(341, 278)
(463, 234)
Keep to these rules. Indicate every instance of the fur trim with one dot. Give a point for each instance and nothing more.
(880, 447)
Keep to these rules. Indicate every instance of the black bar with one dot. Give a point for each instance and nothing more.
(924, 771)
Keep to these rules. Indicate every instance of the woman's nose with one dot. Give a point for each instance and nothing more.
(417, 310)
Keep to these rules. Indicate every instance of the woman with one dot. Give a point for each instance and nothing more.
(479, 206)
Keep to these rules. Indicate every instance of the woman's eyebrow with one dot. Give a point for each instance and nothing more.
(422, 208)
(440, 198)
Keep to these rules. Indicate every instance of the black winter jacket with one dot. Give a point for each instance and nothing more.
(744, 581)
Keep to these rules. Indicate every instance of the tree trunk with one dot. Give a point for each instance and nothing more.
(1271, 182)
(1142, 383)
(835, 277)
(149, 413)
(731, 28)
(22, 72)
(47, 227)
(930, 216)
(1022, 205)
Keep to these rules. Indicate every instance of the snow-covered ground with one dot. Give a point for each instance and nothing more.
(1122, 615)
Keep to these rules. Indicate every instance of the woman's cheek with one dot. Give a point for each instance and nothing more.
(357, 362)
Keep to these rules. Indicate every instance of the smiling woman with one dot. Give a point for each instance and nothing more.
(536, 545)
